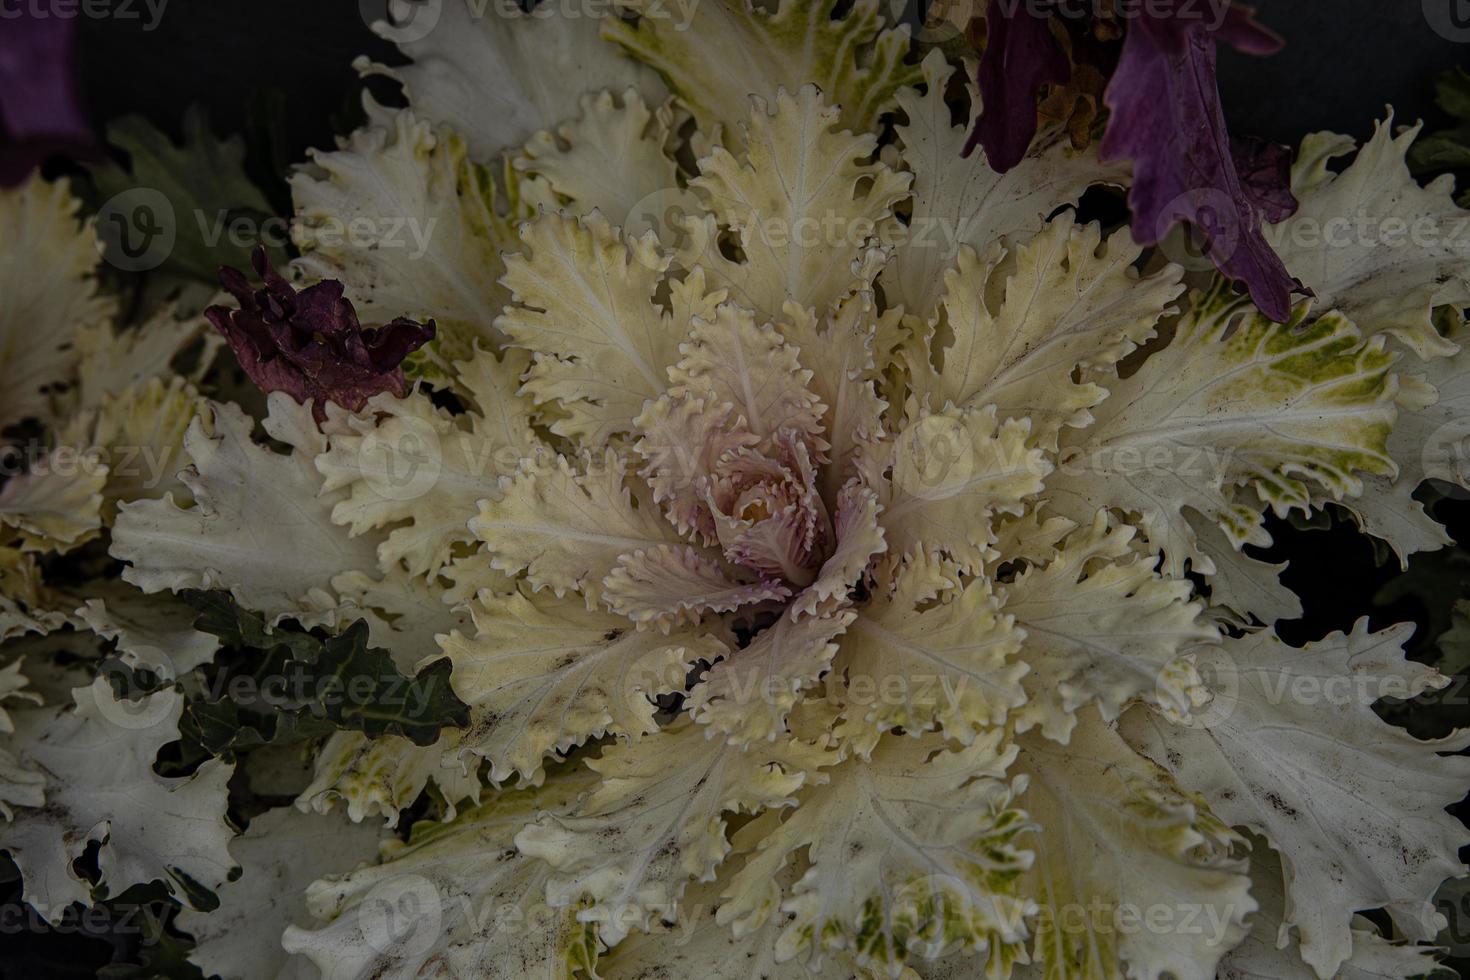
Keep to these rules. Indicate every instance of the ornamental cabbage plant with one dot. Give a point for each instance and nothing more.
(776, 544)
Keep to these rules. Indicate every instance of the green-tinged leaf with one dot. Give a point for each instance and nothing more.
(1117, 841)
(915, 851)
(1298, 411)
(1446, 149)
(715, 54)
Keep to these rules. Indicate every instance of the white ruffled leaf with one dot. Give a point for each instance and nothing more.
(50, 289)
(1242, 586)
(404, 614)
(1102, 626)
(568, 528)
(668, 586)
(803, 204)
(97, 756)
(154, 632)
(960, 200)
(280, 853)
(26, 605)
(860, 539)
(456, 899)
(1297, 411)
(913, 852)
(682, 439)
(950, 472)
(419, 473)
(139, 435)
(1259, 957)
(1427, 442)
(1290, 747)
(112, 361)
(930, 653)
(747, 696)
(257, 527)
(412, 227)
(57, 505)
(585, 310)
(382, 776)
(1371, 242)
(698, 946)
(732, 360)
(1020, 322)
(613, 158)
(542, 674)
(840, 354)
(657, 820)
(497, 74)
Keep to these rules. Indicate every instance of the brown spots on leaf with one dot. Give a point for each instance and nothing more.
(1281, 805)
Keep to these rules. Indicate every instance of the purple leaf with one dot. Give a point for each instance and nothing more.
(1166, 116)
(1240, 30)
(40, 113)
(309, 343)
(1265, 173)
(1020, 57)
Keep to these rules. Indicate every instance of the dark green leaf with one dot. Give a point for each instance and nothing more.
(1447, 149)
(205, 184)
(291, 684)
(1452, 93)
(358, 687)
